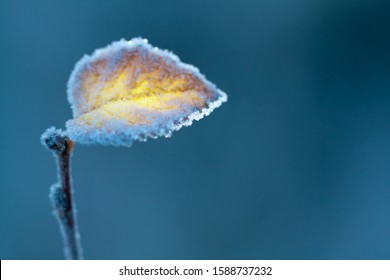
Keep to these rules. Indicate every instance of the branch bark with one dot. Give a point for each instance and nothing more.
(61, 193)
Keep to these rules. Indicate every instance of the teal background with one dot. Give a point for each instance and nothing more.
(295, 166)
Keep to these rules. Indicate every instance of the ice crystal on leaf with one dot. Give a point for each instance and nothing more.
(130, 91)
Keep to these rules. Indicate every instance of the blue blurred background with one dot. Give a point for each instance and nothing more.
(295, 166)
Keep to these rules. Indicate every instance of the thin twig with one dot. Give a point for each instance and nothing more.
(61, 194)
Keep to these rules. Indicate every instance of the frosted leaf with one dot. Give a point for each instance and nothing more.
(130, 90)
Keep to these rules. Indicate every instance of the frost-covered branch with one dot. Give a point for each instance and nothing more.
(61, 193)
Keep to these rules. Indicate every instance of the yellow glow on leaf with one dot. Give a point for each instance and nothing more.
(130, 87)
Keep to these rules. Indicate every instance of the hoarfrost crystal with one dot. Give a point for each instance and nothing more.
(131, 91)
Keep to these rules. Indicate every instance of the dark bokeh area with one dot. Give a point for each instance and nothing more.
(295, 166)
